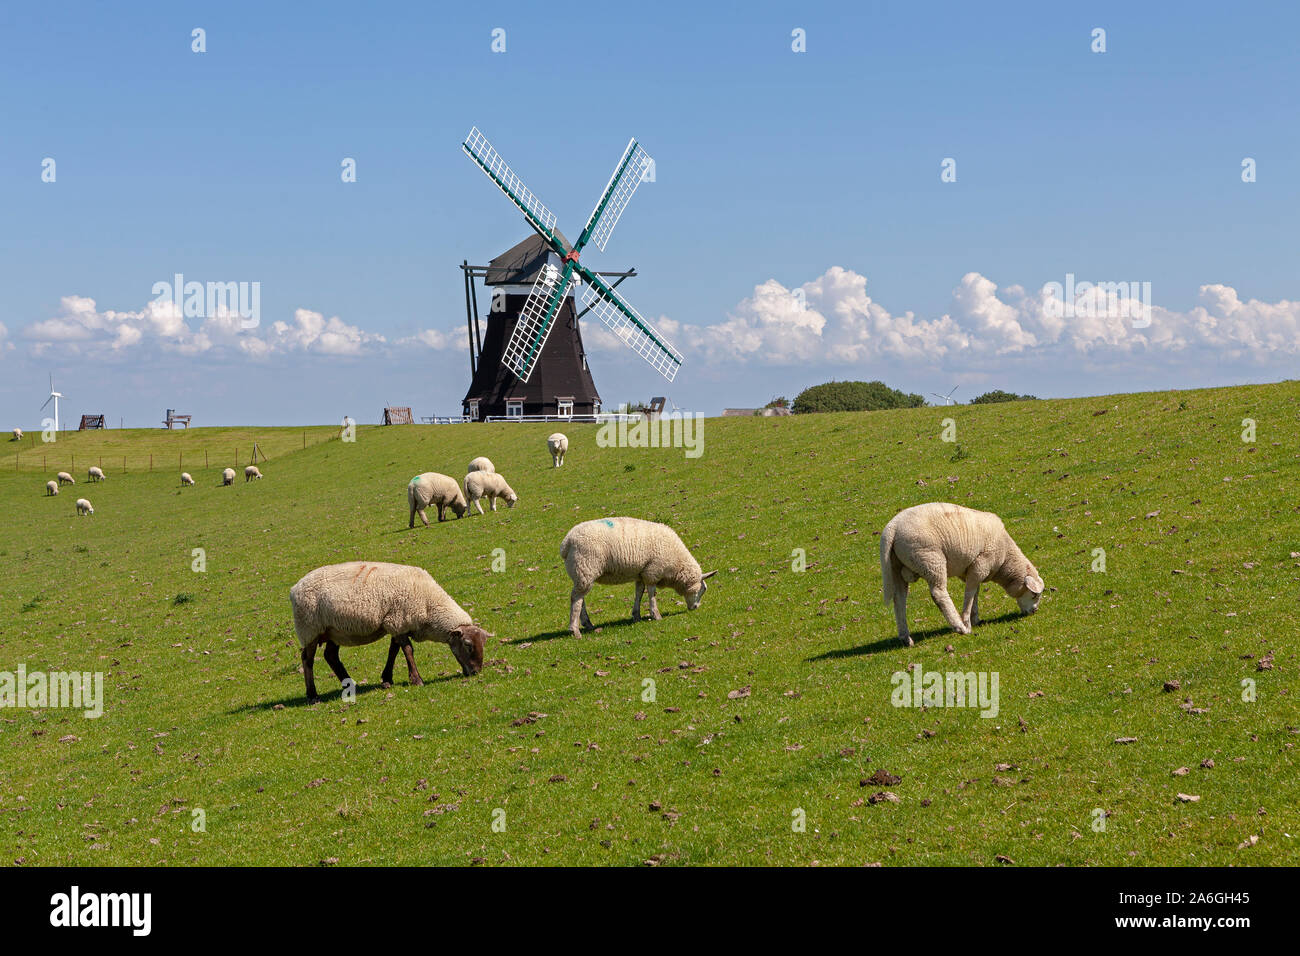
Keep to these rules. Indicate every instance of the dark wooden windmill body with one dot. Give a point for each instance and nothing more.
(560, 385)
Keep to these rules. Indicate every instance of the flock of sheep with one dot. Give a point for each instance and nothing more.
(360, 602)
(96, 474)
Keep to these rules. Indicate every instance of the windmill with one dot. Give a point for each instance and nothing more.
(947, 399)
(54, 397)
(521, 368)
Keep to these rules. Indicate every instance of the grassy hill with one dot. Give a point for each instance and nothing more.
(556, 741)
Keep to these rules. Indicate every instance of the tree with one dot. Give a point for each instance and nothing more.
(853, 397)
(781, 402)
(997, 395)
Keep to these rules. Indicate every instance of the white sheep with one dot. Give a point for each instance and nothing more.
(18, 434)
(347, 605)
(65, 478)
(186, 478)
(480, 464)
(432, 488)
(490, 485)
(228, 476)
(937, 541)
(620, 550)
(51, 488)
(84, 508)
(557, 445)
(97, 473)
(251, 472)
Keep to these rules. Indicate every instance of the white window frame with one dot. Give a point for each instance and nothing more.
(473, 411)
(564, 407)
(514, 409)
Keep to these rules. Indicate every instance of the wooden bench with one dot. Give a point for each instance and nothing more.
(174, 419)
(398, 415)
(91, 421)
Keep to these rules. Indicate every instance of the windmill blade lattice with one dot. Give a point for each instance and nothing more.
(625, 322)
(628, 174)
(537, 319)
(477, 148)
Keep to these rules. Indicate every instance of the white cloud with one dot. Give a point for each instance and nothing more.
(833, 321)
(81, 328)
(436, 339)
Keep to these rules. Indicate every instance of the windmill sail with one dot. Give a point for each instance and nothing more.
(624, 321)
(537, 319)
(477, 148)
(629, 172)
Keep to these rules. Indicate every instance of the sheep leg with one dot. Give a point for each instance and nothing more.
(441, 509)
(308, 661)
(413, 675)
(636, 605)
(336, 665)
(900, 610)
(578, 611)
(939, 593)
(975, 610)
(968, 614)
(494, 503)
(654, 605)
(386, 678)
(478, 503)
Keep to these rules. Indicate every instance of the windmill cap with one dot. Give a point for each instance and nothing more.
(521, 263)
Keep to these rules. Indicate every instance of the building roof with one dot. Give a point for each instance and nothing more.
(520, 264)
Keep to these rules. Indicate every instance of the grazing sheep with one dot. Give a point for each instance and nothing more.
(490, 485)
(65, 478)
(251, 472)
(51, 488)
(937, 541)
(557, 445)
(186, 479)
(480, 464)
(228, 476)
(432, 488)
(83, 507)
(97, 473)
(347, 605)
(18, 435)
(619, 550)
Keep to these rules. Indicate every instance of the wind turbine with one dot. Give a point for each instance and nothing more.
(54, 397)
(947, 399)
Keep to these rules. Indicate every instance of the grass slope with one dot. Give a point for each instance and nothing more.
(204, 700)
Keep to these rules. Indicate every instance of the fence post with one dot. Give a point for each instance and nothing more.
(151, 461)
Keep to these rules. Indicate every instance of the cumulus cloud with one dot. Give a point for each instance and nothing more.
(436, 339)
(80, 327)
(833, 321)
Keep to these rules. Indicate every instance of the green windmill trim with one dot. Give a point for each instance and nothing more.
(610, 296)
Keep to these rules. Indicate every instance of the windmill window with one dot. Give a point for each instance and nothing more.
(565, 407)
(473, 411)
(514, 409)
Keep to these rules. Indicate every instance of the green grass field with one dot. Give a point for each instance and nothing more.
(553, 754)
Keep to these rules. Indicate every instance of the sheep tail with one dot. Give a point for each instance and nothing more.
(887, 582)
(565, 547)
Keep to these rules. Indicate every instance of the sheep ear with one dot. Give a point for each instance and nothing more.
(1034, 584)
(705, 577)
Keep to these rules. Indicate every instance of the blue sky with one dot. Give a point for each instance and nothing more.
(777, 173)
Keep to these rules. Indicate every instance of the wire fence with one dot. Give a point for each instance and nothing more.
(121, 452)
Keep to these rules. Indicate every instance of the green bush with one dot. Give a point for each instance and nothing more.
(997, 395)
(853, 397)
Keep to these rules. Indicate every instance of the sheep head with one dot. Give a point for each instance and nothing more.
(466, 643)
(1030, 591)
(694, 597)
